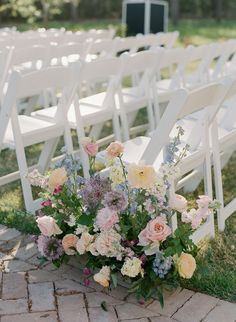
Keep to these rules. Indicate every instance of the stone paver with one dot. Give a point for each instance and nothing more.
(196, 308)
(38, 276)
(224, 311)
(5, 257)
(99, 315)
(14, 286)
(131, 311)
(94, 299)
(172, 303)
(68, 287)
(8, 234)
(30, 293)
(26, 251)
(16, 265)
(31, 317)
(41, 296)
(72, 308)
(13, 306)
(162, 319)
(136, 320)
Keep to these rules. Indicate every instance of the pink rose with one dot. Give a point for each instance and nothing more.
(156, 230)
(48, 226)
(47, 203)
(106, 218)
(203, 201)
(90, 147)
(115, 149)
(178, 203)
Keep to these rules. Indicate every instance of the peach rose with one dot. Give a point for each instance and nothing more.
(141, 176)
(91, 148)
(115, 149)
(84, 242)
(186, 265)
(103, 276)
(57, 178)
(156, 230)
(106, 219)
(178, 203)
(69, 244)
(48, 226)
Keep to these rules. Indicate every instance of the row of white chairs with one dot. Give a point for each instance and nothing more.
(129, 100)
(20, 131)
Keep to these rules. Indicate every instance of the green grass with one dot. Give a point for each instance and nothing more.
(218, 257)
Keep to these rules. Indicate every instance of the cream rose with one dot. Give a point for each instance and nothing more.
(57, 178)
(115, 149)
(69, 244)
(178, 203)
(141, 176)
(48, 226)
(84, 242)
(186, 265)
(103, 276)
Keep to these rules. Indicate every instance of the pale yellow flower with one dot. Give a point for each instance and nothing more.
(132, 267)
(186, 265)
(103, 276)
(116, 175)
(141, 176)
(57, 178)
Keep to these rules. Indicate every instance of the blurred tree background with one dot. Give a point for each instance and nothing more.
(46, 10)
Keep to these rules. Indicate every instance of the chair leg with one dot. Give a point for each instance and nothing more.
(26, 187)
(116, 127)
(47, 154)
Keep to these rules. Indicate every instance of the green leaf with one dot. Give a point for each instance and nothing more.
(104, 306)
(114, 279)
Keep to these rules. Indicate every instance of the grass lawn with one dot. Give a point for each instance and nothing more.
(217, 260)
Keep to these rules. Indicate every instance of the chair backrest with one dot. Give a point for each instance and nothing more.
(37, 56)
(66, 51)
(121, 45)
(139, 62)
(199, 61)
(23, 85)
(101, 47)
(174, 62)
(167, 39)
(183, 103)
(145, 41)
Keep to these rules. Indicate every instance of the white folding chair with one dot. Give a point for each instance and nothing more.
(95, 109)
(121, 45)
(28, 58)
(152, 150)
(167, 39)
(223, 145)
(20, 131)
(141, 66)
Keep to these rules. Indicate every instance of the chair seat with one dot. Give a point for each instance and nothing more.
(135, 148)
(33, 131)
(91, 109)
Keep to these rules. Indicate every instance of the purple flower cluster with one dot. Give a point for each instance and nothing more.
(50, 247)
(116, 200)
(94, 191)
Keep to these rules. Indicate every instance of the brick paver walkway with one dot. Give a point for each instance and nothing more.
(33, 294)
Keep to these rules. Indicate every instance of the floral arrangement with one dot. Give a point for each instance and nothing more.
(119, 221)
